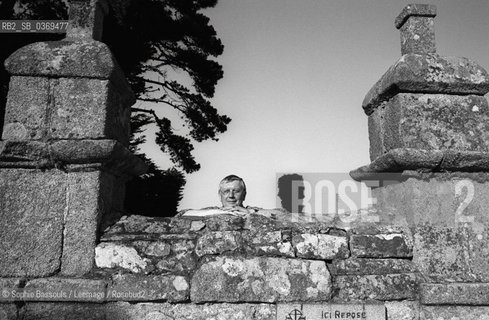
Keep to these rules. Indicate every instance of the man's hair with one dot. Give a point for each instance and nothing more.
(232, 178)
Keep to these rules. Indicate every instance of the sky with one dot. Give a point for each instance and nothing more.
(295, 75)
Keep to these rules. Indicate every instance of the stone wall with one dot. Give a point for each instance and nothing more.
(68, 254)
(192, 268)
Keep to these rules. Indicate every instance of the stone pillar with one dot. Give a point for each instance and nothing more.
(417, 26)
(63, 153)
(429, 134)
(86, 19)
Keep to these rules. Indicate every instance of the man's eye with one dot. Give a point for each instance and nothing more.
(234, 191)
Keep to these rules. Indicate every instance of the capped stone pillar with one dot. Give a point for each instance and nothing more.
(428, 125)
(63, 154)
(427, 101)
(417, 26)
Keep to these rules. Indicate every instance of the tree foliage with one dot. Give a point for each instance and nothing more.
(157, 193)
(166, 50)
(171, 36)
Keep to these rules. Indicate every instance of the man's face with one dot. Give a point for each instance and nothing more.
(232, 194)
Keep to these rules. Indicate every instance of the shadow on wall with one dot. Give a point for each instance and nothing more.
(156, 194)
(291, 186)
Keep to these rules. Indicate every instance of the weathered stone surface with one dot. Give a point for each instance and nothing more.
(453, 312)
(363, 266)
(440, 199)
(402, 310)
(445, 249)
(398, 160)
(23, 151)
(125, 236)
(375, 287)
(373, 229)
(376, 125)
(421, 73)
(8, 311)
(150, 225)
(454, 293)
(156, 248)
(476, 162)
(173, 256)
(418, 36)
(89, 197)
(350, 220)
(84, 59)
(182, 246)
(80, 109)
(430, 122)
(11, 283)
(392, 245)
(218, 242)
(197, 225)
(169, 225)
(86, 19)
(64, 108)
(83, 109)
(105, 154)
(407, 159)
(321, 246)
(268, 243)
(71, 311)
(441, 254)
(182, 259)
(281, 220)
(417, 28)
(188, 311)
(111, 255)
(256, 223)
(26, 110)
(129, 287)
(32, 206)
(414, 10)
(234, 279)
(282, 249)
(113, 155)
(478, 251)
(453, 254)
(224, 223)
(72, 59)
(66, 289)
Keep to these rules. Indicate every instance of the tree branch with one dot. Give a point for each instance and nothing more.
(158, 101)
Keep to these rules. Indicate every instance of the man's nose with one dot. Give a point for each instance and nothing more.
(231, 193)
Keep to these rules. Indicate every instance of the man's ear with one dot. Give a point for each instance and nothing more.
(244, 195)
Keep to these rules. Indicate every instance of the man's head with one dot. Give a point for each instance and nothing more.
(232, 191)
